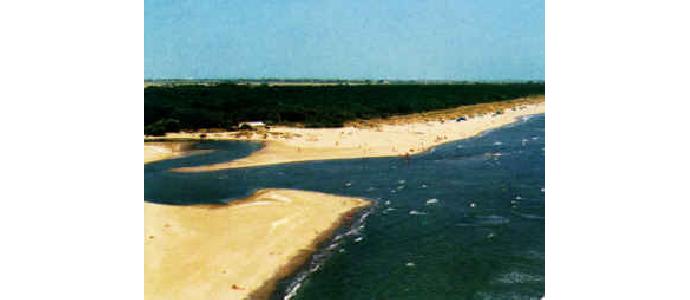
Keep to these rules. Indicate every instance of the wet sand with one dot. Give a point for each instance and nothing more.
(397, 136)
(239, 250)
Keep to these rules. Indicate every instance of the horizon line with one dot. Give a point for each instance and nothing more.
(336, 79)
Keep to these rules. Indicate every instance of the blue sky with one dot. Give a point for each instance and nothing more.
(337, 39)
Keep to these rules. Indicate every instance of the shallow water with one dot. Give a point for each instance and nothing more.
(480, 237)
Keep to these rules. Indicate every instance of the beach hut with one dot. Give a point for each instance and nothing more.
(252, 125)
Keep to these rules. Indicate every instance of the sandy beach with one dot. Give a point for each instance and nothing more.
(154, 151)
(239, 250)
(396, 136)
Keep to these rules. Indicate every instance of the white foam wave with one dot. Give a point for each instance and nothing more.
(355, 230)
(526, 118)
(518, 277)
(431, 201)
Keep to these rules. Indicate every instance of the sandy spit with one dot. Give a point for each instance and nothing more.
(239, 250)
(398, 136)
(155, 151)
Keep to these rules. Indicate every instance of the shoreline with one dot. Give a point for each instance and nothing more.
(299, 260)
(238, 250)
(155, 151)
(398, 136)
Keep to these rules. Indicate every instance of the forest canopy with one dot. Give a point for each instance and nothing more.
(169, 109)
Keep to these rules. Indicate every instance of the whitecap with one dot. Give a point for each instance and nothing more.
(519, 277)
(431, 201)
(292, 290)
(322, 255)
(526, 118)
(498, 143)
(401, 181)
(410, 264)
(414, 212)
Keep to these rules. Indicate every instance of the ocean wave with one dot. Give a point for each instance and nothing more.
(528, 216)
(526, 118)
(317, 260)
(431, 201)
(514, 277)
(483, 221)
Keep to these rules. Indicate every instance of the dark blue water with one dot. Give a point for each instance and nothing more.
(464, 221)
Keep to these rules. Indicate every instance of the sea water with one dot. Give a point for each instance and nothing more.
(465, 221)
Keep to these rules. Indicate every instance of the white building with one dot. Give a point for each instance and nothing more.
(252, 124)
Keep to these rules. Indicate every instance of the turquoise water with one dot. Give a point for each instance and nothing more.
(463, 221)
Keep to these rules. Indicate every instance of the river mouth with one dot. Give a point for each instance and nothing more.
(464, 220)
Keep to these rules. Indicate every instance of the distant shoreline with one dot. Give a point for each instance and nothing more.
(401, 136)
(322, 82)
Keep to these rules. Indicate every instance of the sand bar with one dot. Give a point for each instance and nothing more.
(396, 136)
(155, 151)
(239, 250)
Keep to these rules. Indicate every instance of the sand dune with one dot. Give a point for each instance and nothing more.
(236, 251)
(397, 136)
